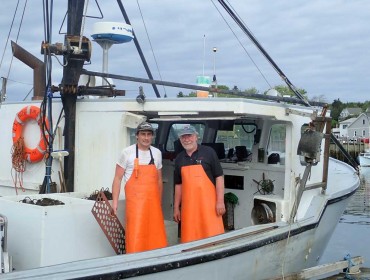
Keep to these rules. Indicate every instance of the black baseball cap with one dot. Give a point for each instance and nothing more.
(144, 126)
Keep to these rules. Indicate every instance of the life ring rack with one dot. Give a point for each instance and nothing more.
(29, 113)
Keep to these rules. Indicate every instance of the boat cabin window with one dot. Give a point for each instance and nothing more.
(173, 143)
(242, 135)
(276, 145)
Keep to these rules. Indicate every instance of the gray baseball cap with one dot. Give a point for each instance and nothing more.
(187, 129)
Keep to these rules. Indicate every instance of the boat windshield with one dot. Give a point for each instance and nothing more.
(240, 135)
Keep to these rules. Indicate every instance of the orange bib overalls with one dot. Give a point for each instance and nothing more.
(145, 228)
(198, 205)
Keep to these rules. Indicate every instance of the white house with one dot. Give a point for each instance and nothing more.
(360, 127)
(343, 127)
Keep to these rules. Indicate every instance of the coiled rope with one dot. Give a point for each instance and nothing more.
(18, 163)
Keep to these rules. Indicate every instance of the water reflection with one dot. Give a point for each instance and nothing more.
(352, 233)
(360, 202)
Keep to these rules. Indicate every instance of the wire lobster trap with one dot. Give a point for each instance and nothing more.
(109, 223)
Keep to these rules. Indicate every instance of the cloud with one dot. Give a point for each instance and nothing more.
(322, 46)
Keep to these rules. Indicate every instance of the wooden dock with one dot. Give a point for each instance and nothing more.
(363, 274)
(345, 269)
(354, 149)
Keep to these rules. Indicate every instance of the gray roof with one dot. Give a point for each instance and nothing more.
(351, 120)
(354, 111)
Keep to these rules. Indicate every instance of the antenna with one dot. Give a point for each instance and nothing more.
(214, 63)
(204, 51)
(214, 80)
(203, 81)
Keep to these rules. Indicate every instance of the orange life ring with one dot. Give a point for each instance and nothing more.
(26, 114)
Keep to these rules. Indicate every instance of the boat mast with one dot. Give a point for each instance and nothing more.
(71, 75)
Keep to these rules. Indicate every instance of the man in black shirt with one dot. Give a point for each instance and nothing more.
(199, 189)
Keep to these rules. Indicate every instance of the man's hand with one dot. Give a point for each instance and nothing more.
(220, 208)
(177, 215)
(114, 207)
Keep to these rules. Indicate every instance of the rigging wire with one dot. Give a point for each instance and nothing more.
(65, 16)
(10, 31)
(46, 105)
(18, 161)
(143, 60)
(242, 26)
(47, 15)
(83, 24)
(151, 47)
(290, 222)
(16, 40)
(27, 94)
(263, 51)
(241, 44)
(58, 60)
(23, 83)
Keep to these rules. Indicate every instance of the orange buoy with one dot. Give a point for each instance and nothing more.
(28, 113)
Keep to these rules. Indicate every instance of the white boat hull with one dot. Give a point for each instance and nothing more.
(257, 252)
(237, 255)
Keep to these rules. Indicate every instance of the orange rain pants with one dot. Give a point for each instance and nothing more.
(145, 228)
(198, 205)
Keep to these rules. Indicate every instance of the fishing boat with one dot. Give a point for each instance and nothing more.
(274, 152)
(364, 158)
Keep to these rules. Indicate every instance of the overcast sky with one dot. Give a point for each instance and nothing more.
(323, 47)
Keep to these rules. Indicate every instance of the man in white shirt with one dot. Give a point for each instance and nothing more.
(141, 166)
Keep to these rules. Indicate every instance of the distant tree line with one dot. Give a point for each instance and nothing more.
(335, 108)
(283, 90)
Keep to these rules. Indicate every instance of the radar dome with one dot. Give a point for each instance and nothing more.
(115, 32)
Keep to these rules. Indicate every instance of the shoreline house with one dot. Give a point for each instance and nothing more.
(355, 128)
(343, 128)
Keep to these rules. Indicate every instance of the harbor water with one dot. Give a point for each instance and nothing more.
(352, 234)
